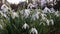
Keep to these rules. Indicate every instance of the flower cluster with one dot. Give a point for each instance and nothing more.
(16, 22)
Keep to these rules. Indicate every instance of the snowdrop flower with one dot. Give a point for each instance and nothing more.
(52, 22)
(35, 16)
(43, 2)
(4, 8)
(25, 12)
(14, 14)
(52, 10)
(43, 16)
(56, 13)
(25, 26)
(33, 31)
(2, 14)
(22, 12)
(46, 10)
(34, 1)
(30, 5)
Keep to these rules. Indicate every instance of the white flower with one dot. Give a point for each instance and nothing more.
(52, 10)
(33, 30)
(30, 5)
(43, 2)
(52, 22)
(25, 12)
(3, 14)
(4, 8)
(25, 26)
(35, 16)
(43, 16)
(22, 12)
(14, 14)
(46, 10)
(56, 13)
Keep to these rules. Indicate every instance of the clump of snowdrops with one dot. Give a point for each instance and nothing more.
(28, 21)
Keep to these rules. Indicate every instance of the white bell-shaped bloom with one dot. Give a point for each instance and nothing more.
(30, 5)
(52, 10)
(43, 2)
(4, 8)
(52, 22)
(56, 13)
(35, 16)
(43, 16)
(25, 26)
(33, 31)
(25, 12)
(22, 12)
(3, 14)
(33, 1)
(14, 14)
(46, 10)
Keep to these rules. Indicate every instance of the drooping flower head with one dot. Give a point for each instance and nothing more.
(4, 8)
(14, 14)
(25, 26)
(33, 31)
